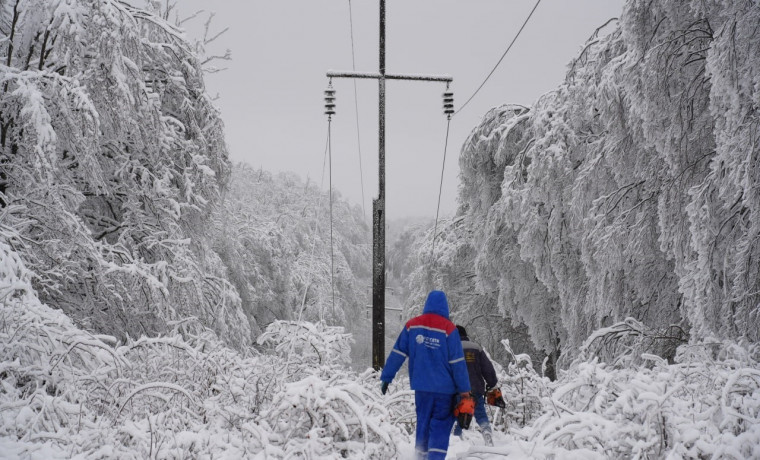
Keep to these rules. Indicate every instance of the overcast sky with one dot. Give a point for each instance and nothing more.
(271, 95)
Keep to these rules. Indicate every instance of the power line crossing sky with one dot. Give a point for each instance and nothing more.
(271, 95)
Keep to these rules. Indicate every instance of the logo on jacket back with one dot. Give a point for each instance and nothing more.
(430, 342)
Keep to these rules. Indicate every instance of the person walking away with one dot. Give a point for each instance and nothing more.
(482, 378)
(437, 373)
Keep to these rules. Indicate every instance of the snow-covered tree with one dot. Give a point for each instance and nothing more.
(273, 236)
(632, 189)
(721, 282)
(112, 156)
(498, 263)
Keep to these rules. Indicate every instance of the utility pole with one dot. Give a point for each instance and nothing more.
(378, 204)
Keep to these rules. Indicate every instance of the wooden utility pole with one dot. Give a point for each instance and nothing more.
(378, 205)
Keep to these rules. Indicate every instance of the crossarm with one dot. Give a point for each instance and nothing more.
(376, 76)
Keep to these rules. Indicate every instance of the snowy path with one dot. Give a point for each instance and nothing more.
(505, 447)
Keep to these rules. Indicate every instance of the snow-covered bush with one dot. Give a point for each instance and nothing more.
(623, 344)
(310, 347)
(321, 410)
(66, 392)
(705, 405)
(337, 417)
(524, 391)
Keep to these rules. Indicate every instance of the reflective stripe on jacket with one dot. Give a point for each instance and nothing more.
(432, 344)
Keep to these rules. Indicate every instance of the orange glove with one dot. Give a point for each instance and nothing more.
(464, 411)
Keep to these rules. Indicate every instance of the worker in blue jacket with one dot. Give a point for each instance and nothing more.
(437, 372)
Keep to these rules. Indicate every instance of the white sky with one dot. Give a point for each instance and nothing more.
(271, 95)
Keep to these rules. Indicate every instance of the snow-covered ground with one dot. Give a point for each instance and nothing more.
(507, 446)
(67, 393)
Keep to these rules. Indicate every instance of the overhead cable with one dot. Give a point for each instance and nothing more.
(440, 188)
(356, 106)
(500, 59)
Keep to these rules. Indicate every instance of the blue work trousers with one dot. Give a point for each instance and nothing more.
(480, 415)
(435, 414)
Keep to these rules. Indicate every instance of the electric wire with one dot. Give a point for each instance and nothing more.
(313, 246)
(445, 148)
(314, 236)
(332, 252)
(440, 187)
(356, 106)
(448, 124)
(501, 58)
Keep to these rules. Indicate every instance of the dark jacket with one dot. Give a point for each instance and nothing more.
(432, 344)
(481, 371)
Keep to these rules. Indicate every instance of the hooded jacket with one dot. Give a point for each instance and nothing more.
(480, 368)
(432, 344)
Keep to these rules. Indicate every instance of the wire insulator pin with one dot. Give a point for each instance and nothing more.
(448, 103)
(329, 100)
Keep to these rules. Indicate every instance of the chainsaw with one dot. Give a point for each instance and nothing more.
(495, 398)
(464, 412)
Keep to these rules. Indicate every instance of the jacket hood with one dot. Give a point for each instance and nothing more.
(436, 303)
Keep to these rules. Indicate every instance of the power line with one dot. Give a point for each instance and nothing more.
(316, 230)
(356, 106)
(500, 59)
(440, 188)
(332, 250)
